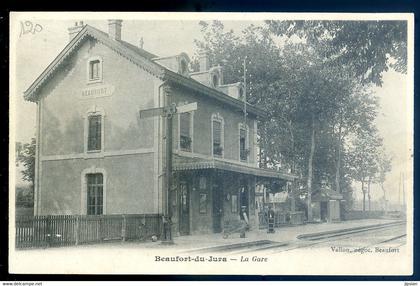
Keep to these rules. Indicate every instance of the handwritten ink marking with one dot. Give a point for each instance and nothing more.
(27, 27)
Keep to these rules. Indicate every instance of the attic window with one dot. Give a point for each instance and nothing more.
(215, 80)
(95, 70)
(184, 67)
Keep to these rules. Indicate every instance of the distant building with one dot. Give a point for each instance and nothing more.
(96, 156)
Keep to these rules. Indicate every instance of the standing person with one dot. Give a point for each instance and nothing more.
(271, 215)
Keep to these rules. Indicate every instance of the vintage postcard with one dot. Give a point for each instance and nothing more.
(211, 143)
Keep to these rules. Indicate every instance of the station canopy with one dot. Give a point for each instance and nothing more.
(182, 163)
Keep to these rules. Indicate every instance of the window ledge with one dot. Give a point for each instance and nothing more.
(94, 154)
(94, 81)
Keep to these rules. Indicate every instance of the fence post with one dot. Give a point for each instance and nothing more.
(49, 234)
(124, 228)
(101, 228)
(77, 230)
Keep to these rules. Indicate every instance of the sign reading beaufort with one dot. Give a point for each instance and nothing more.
(98, 91)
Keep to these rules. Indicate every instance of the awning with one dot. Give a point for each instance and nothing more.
(185, 163)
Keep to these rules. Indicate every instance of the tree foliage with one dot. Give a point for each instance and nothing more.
(368, 48)
(384, 166)
(364, 159)
(26, 156)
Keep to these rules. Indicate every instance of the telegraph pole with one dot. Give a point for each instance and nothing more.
(245, 91)
(167, 112)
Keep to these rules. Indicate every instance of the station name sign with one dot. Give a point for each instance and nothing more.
(98, 91)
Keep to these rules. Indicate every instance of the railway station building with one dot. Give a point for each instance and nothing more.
(96, 156)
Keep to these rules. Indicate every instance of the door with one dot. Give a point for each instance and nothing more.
(324, 211)
(217, 206)
(184, 209)
(244, 200)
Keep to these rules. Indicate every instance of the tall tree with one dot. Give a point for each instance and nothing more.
(355, 111)
(385, 166)
(364, 159)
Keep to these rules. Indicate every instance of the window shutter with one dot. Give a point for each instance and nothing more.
(217, 132)
(242, 133)
(242, 144)
(185, 121)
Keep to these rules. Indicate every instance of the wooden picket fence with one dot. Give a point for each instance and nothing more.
(62, 230)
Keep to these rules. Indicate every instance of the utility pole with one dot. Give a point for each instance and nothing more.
(167, 112)
(245, 112)
(403, 191)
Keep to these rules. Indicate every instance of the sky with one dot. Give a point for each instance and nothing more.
(32, 52)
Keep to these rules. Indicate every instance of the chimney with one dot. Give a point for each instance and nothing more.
(141, 43)
(114, 29)
(73, 31)
(204, 61)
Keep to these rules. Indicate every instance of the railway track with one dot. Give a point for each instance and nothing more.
(368, 236)
(365, 239)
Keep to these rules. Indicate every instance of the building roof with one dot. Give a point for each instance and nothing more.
(182, 163)
(139, 57)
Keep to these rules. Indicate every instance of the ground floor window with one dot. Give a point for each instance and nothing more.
(94, 194)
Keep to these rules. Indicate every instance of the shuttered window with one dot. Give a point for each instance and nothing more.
(185, 131)
(217, 138)
(94, 133)
(242, 145)
(94, 194)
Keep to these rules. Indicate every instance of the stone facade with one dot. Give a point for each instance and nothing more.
(128, 143)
